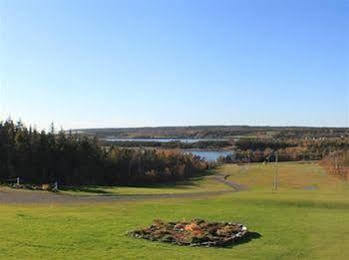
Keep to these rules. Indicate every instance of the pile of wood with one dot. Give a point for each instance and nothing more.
(193, 233)
(44, 187)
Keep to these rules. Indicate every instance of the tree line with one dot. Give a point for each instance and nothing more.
(260, 150)
(262, 144)
(71, 159)
(210, 144)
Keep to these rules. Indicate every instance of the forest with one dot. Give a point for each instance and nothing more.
(72, 159)
(287, 149)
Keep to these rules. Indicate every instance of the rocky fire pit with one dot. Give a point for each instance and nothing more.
(193, 233)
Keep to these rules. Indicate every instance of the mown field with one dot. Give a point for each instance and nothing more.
(296, 222)
(290, 176)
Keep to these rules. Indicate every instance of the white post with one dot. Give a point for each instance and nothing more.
(17, 180)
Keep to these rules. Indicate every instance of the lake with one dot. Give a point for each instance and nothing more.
(209, 155)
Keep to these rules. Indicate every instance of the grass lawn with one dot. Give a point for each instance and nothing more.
(291, 175)
(294, 223)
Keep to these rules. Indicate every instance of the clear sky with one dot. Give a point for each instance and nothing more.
(121, 63)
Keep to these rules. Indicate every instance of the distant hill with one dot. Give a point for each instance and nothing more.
(215, 132)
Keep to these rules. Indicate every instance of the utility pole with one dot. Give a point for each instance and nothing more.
(276, 173)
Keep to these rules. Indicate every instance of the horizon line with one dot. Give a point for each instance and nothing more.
(219, 125)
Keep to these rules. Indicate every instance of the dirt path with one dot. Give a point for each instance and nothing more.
(224, 179)
(9, 196)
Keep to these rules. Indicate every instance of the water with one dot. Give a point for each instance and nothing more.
(161, 140)
(209, 155)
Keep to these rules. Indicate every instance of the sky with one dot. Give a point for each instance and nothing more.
(129, 63)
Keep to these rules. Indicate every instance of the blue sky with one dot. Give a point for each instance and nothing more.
(153, 63)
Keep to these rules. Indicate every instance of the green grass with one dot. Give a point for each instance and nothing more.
(291, 175)
(295, 223)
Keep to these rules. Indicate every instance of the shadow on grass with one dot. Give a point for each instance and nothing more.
(87, 189)
(180, 184)
(248, 238)
(186, 184)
